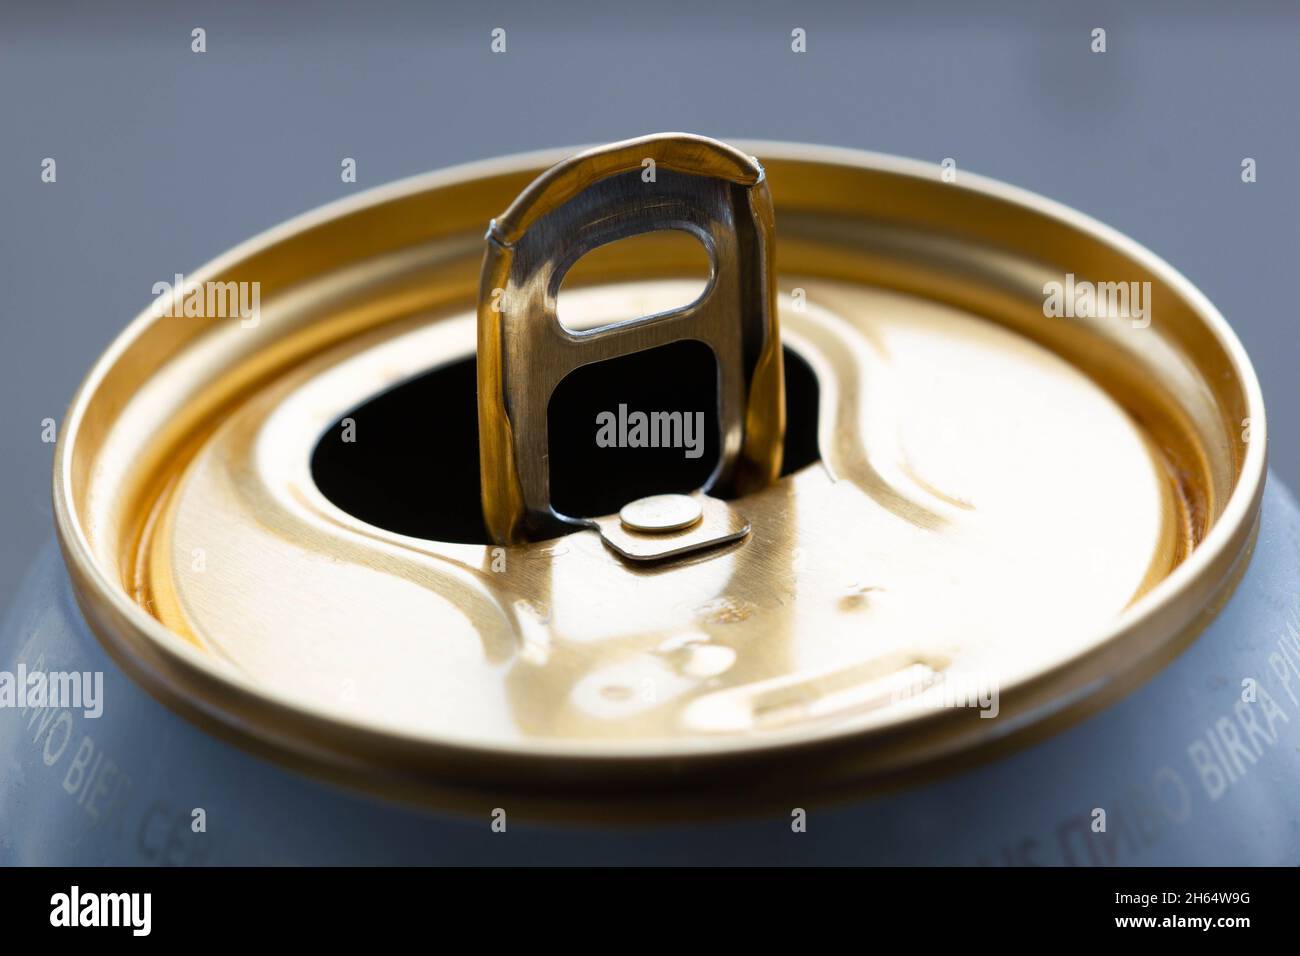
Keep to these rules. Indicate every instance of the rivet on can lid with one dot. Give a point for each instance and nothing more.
(656, 514)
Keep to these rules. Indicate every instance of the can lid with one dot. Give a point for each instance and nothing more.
(1032, 485)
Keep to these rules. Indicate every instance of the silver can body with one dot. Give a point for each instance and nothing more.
(1198, 766)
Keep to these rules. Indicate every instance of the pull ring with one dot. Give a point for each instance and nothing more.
(700, 186)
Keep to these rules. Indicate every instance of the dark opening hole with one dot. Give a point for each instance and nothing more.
(412, 464)
(606, 422)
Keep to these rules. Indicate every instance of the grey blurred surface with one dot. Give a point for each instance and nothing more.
(167, 157)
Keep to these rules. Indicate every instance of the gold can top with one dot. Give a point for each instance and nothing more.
(1020, 499)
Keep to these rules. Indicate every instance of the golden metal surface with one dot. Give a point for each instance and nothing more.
(1051, 505)
(655, 183)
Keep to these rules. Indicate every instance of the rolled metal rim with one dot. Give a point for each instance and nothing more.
(410, 767)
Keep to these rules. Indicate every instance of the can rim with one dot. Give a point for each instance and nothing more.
(233, 705)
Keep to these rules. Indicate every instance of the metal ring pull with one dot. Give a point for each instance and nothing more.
(701, 186)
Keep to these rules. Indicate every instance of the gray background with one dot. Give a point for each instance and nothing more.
(166, 158)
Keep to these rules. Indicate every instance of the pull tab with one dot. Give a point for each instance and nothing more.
(700, 186)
